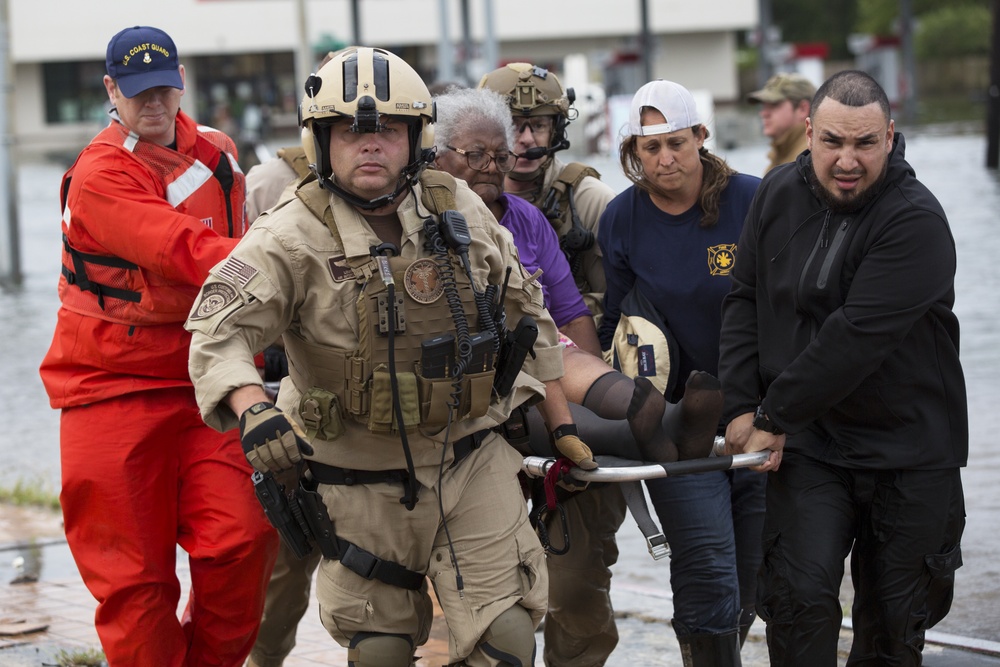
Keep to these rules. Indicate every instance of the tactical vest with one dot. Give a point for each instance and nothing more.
(117, 290)
(295, 157)
(555, 202)
(356, 383)
(557, 206)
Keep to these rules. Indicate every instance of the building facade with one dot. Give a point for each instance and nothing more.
(240, 55)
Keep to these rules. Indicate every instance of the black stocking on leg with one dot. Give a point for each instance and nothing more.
(676, 431)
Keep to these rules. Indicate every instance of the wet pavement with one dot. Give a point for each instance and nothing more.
(53, 614)
(948, 162)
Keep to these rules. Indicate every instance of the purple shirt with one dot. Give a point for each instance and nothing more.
(538, 248)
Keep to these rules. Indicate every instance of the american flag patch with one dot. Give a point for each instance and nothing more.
(237, 272)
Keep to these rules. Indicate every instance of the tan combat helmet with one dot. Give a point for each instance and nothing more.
(366, 84)
(535, 91)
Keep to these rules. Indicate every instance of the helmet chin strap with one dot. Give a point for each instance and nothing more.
(358, 202)
(407, 178)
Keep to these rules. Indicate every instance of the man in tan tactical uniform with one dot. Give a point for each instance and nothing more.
(542, 110)
(580, 625)
(364, 272)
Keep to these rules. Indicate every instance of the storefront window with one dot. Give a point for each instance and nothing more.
(229, 85)
(74, 92)
(251, 97)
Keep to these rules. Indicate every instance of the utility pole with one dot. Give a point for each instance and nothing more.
(445, 53)
(356, 21)
(466, 42)
(764, 46)
(645, 42)
(10, 240)
(993, 98)
(491, 51)
(304, 56)
(909, 61)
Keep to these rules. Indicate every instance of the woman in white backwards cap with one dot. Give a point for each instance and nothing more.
(672, 237)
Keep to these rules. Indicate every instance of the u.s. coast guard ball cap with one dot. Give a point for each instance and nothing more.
(141, 58)
(671, 99)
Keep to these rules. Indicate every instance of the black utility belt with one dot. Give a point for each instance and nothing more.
(325, 474)
(334, 475)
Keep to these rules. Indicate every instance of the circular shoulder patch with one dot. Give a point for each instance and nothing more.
(422, 281)
(214, 297)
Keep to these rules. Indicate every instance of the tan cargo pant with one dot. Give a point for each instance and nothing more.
(286, 603)
(498, 555)
(580, 623)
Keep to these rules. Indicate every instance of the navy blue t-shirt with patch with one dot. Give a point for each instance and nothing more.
(682, 268)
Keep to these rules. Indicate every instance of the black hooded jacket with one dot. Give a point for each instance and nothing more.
(841, 324)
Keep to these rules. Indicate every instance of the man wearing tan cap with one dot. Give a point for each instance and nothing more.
(785, 101)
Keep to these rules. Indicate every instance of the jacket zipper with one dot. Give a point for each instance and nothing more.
(821, 242)
(838, 240)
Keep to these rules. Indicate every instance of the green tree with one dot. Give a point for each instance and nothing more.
(961, 21)
(816, 21)
(880, 17)
(953, 31)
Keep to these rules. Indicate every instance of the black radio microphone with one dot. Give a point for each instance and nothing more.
(534, 153)
(542, 151)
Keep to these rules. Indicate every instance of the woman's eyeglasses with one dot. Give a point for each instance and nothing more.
(480, 160)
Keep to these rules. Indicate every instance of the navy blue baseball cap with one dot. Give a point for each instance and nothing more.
(141, 58)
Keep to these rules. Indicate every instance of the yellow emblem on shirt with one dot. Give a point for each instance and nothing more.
(721, 259)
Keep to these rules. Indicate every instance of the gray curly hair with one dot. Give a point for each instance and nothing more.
(462, 109)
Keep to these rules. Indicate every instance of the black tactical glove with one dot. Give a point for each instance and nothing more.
(272, 441)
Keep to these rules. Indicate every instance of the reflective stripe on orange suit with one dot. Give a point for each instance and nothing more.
(140, 470)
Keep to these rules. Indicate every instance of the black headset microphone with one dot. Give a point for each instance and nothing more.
(542, 151)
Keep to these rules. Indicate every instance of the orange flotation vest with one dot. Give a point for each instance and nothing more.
(116, 290)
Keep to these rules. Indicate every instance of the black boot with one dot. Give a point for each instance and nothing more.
(747, 617)
(710, 650)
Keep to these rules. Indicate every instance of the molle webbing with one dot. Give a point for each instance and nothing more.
(573, 173)
(354, 375)
(557, 199)
(438, 191)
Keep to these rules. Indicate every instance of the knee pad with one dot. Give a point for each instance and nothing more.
(510, 638)
(379, 650)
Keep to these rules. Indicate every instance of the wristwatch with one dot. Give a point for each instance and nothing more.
(762, 423)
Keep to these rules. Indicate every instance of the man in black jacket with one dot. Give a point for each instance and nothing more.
(839, 354)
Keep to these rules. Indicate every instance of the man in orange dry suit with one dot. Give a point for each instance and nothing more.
(150, 205)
